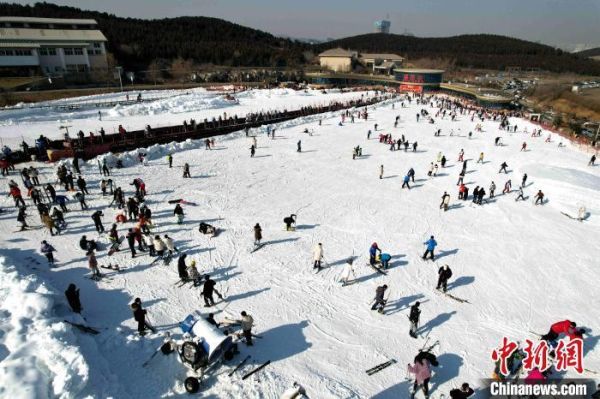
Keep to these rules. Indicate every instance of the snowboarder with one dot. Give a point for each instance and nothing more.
(178, 212)
(47, 250)
(379, 298)
(257, 234)
(480, 160)
(524, 146)
(431, 244)
(415, 313)
(503, 167)
(299, 146)
(507, 187)
(539, 198)
(373, 254)
(445, 201)
(592, 160)
(524, 180)
(444, 274)
(492, 189)
(520, 194)
(289, 221)
(318, 256)
(461, 178)
(206, 228)
(96, 217)
(72, 294)
(461, 155)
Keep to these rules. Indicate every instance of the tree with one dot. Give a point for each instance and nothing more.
(557, 121)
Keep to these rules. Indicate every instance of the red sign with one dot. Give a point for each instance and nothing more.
(413, 88)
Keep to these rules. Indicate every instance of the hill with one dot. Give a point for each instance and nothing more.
(476, 51)
(593, 52)
(137, 42)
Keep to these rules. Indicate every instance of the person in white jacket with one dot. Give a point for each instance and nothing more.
(159, 246)
(347, 272)
(170, 245)
(318, 256)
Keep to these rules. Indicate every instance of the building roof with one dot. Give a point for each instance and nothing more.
(417, 70)
(337, 52)
(50, 35)
(18, 45)
(386, 65)
(382, 56)
(57, 21)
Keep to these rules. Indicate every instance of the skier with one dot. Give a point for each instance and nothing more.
(379, 298)
(131, 242)
(318, 256)
(246, 322)
(93, 264)
(524, 146)
(411, 174)
(178, 212)
(431, 244)
(405, 181)
(373, 254)
(82, 185)
(81, 198)
(181, 268)
(170, 245)
(492, 189)
(507, 187)
(257, 234)
(480, 196)
(443, 161)
(49, 223)
(422, 371)
(524, 180)
(252, 151)
(96, 217)
(592, 160)
(22, 217)
(381, 172)
(47, 250)
(520, 194)
(86, 244)
(461, 155)
(170, 160)
(539, 198)
(15, 192)
(299, 146)
(464, 392)
(444, 274)
(347, 272)
(567, 327)
(139, 315)
(480, 158)
(186, 170)
(503, 167)
(445, 201)
(461, 178)
(193, 274)
(207, 291)
(415, 313)
(289, 221)
(430, 171)
(159, 246)
(72, 294)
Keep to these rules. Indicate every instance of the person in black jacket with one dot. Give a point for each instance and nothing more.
(97, 218)
(207, 291)
(415, 313)
(131, 242)
(81, 183)
(182, 268)
(464, 392)
(444, 275)
(72, 294)
(379, 298)
(139, 315)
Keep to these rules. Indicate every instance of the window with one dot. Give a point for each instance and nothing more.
(51, 51)
(6, 52)
(97, 45)
(23, 52)
(97, 52)
(78, 51)
(68, 51)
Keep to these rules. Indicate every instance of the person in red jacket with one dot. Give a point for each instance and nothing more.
(566, 327)
(15, 192)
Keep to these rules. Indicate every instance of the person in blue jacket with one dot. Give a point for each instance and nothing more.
(431, 244)
(373, 253)
(385, 260)
(405, 181)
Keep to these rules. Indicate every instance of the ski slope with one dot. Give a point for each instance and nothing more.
(26, 123)
(522, 267)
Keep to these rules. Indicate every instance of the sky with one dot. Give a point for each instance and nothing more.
(562, 23)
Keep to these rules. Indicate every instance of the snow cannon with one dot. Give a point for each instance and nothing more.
(204, 346)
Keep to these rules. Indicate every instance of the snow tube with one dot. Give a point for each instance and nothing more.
(213, 340)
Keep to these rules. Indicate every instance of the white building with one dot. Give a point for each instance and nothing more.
(51, 45)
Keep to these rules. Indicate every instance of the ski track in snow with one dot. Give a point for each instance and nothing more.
(522, 267)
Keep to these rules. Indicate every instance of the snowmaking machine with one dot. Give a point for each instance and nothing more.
(202, 348)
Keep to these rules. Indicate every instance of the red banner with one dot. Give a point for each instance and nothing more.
(413, 88)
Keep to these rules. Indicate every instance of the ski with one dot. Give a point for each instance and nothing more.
(240, 364)
(83, 328)
(461, 300)
(256, 248)
(151, 357)
(98, 278)
(377, 269)
(257, 369)
(380, 367)
(115, 268)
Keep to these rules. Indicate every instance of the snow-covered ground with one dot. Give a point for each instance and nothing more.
(522, 267)
(179, 105)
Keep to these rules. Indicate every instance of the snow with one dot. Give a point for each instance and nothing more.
(522, 267)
